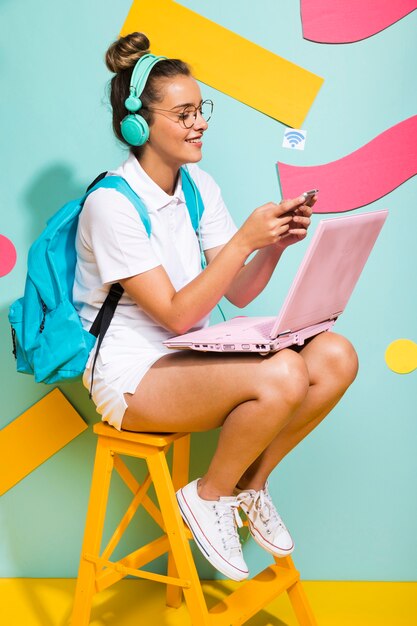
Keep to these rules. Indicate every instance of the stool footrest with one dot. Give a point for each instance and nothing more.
(137, 573)
(253, 595)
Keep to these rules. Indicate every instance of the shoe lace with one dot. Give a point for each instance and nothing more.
(228, 519)
(261, 505)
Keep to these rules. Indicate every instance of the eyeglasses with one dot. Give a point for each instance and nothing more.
(187, 116)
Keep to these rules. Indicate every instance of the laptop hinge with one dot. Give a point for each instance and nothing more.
(333, 317)
(284, 332)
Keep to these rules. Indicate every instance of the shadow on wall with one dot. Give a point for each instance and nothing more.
(50, 190)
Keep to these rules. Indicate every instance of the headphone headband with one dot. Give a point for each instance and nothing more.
(134, 127)
(138, 80)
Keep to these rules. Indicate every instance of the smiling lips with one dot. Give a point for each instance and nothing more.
(194, 140)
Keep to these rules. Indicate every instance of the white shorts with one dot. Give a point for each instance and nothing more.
(119, 369)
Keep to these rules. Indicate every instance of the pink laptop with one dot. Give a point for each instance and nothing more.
(319, 293)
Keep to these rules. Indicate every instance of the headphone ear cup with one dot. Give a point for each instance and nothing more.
(135, 130)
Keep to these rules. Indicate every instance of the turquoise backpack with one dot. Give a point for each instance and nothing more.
(49, 340)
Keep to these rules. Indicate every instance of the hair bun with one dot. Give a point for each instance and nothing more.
(126, 51)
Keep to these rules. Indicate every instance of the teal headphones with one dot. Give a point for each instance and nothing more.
(134, 127)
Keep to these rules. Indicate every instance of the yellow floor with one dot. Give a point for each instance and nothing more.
(47, 602)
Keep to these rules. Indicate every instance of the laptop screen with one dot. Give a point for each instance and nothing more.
(329, 271)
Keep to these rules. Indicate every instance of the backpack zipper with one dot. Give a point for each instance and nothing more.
(14, 342)
(42, 326)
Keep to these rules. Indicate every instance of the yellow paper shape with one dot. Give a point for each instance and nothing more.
(401, 356)
(35, 436)
(226, 61)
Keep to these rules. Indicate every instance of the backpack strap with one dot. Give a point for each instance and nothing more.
(192, 195)
(195, 208)
(95, 181)
(105, 315)
(122, 186)
(102, 322)
(193, 198)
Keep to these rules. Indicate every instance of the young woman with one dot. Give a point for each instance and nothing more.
(264, 406)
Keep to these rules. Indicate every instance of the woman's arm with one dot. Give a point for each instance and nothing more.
(254, 276)
(178, 311)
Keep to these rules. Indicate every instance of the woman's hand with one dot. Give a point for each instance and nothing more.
(267, 224)
(276, 224)
(298, 226)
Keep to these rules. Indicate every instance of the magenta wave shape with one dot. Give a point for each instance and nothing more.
(361, 177)
(346, 21)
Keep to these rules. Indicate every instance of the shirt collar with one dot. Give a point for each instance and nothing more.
(152, 195)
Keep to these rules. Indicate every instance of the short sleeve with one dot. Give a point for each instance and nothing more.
(111, 231)
(216, 225)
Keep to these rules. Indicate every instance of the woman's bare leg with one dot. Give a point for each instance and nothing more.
(332, 365)
(250, 397)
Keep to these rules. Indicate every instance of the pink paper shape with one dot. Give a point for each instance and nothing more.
(7, 255)
(360, 177)
(345, 21)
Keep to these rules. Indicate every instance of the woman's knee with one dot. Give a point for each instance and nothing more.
(286, 376)
(339, 356)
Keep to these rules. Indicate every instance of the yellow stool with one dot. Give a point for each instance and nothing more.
(97, 572)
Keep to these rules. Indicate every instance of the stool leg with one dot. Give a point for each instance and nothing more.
(180, 468)
(181, 550)
(297, 596)
(301, 605)
(96, 513)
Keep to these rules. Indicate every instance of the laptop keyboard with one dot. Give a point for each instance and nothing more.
(265, 327)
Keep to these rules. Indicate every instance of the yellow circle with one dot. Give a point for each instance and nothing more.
(401, 356)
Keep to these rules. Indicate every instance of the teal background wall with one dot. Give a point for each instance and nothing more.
(347, 492)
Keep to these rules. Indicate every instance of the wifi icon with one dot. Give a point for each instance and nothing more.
(294, 139)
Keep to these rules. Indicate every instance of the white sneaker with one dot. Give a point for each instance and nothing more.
(213, 525)
(265, 523)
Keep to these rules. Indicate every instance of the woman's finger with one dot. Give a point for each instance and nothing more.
(304, 209)
(297, 232)
(286, 206)
(302, 220)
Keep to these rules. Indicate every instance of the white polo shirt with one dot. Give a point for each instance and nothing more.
(112, 244)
